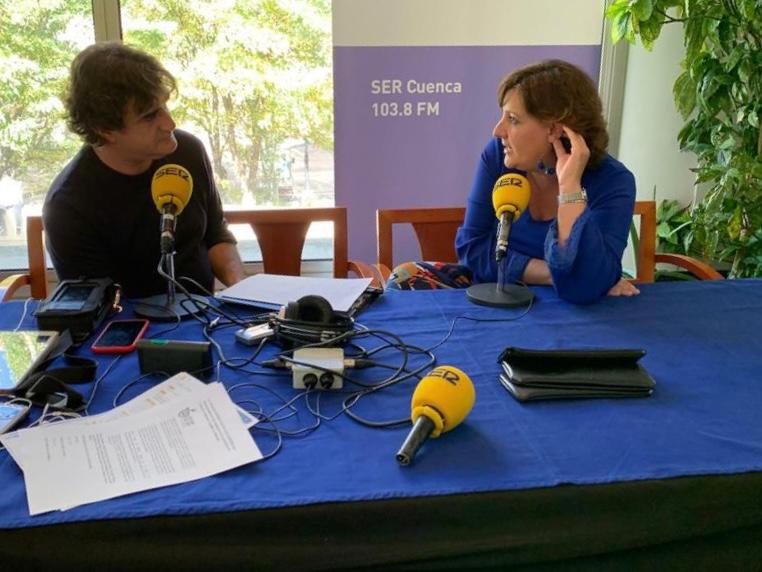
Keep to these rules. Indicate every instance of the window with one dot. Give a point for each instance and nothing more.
(254, 84)
(38, 40)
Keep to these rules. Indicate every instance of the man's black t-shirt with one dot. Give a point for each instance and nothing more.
(101, 223)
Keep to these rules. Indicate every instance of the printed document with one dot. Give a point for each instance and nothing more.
(186, 438)
(175, 387)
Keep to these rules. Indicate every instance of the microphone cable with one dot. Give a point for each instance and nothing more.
(475, 319)
(230, 315)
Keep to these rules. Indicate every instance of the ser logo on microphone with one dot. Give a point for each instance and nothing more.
(172, 170)
(505, 181)
(445, 373)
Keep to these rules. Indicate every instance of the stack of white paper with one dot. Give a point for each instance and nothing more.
(181, 430)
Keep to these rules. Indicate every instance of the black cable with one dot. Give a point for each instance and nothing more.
(473, 319)
(97, 383)
(248, 360)
(286, 402)
(234, 318)
(115, 402)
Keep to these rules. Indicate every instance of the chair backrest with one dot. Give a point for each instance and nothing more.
(646, 251)
(281, 234)
(35, 241)
(434, 227)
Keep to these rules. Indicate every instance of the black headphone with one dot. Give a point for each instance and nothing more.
(310, 320)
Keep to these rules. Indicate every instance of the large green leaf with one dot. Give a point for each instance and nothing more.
(650, 30)
(616, 8)
(684, 92)
(620, 26)
(642, 9)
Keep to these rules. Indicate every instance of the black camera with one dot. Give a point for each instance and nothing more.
(78, 306)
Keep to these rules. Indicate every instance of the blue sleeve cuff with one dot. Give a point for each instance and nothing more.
(515, 267)
(560, 259)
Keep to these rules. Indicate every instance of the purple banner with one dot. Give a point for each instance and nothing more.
(411, 123)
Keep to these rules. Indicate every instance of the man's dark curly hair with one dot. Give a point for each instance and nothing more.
(105, 78)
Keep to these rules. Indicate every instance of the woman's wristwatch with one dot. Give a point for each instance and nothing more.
(580, 197)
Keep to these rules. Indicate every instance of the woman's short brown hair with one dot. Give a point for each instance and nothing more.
(557, 91)
(104, 79)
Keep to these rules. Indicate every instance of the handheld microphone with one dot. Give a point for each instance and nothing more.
(510, 197)
(440, 402)
(171, 189)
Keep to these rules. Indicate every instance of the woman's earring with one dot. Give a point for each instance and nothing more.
(547, 170)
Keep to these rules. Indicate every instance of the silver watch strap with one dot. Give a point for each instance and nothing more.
(580, 197)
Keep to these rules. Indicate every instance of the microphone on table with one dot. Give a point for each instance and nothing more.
(510, 197)
(440, 402)
(171, 190)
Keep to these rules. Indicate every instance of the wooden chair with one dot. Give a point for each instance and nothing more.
(280, 232)
(647, 257)
(434, 227)
(36, 278)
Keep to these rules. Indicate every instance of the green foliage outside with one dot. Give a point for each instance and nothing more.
(37, 44)
(251, 75)
(718, 95)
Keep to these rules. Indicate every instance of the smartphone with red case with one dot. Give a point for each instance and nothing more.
(119, 336)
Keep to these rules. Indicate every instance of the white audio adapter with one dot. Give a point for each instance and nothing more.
(306, 376)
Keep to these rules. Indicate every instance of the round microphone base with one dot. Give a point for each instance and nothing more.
(158, 309)
(491, 294)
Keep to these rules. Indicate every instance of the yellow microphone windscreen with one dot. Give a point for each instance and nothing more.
(171, 184)
(511, 194)
(445, 395)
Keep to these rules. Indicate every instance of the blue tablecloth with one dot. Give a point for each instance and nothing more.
(704, 351)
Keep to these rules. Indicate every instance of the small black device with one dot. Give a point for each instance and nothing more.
(174, 356)
(120, 336)
(78, 306)
(48, 391)
(12, 413)
(37, 381)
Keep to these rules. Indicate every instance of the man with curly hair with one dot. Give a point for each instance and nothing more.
(99, 217)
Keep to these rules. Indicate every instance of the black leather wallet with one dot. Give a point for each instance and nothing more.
(531, 375)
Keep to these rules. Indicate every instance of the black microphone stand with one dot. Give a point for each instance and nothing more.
(500, 294)
(169, 306)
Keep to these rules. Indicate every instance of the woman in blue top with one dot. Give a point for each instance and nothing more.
(574, 230)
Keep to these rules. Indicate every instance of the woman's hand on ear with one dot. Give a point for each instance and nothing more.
(570, 165)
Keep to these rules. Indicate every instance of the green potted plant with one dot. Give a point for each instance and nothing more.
(719, 94)
(673, 228)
